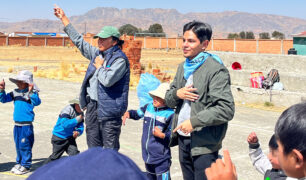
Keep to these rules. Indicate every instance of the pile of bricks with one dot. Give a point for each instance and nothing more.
(132, 49)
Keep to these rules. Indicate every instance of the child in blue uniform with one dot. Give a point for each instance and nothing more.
(156, 134)
(25, 97)
(68, 127)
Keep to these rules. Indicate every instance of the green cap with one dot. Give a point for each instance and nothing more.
(108, 31)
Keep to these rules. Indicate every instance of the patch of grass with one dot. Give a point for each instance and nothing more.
(268, 104)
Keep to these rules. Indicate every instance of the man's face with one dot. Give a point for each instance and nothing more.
(192, 45)
(288, 162)
(105, 43)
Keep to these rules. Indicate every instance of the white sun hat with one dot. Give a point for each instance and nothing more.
(160, 91)
(25, 76)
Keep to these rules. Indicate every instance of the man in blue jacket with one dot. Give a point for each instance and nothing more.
(104, 91)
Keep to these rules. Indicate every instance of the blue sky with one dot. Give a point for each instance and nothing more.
(20, 10)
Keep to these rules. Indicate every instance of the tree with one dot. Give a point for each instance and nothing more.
(242, 35)
(249, 35)
(157, 28)
(232, 36)
(278, 35)
(128, 29)
(264, 35)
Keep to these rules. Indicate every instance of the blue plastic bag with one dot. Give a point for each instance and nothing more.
(147, 83)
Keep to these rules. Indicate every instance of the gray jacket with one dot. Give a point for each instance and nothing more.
(211, 112)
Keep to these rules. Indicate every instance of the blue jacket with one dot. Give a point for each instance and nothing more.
(154, 149)
(24, 103)
(68, 122)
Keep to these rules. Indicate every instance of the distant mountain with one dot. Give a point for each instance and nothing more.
(171, 20)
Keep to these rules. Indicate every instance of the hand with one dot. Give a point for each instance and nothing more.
(98, 62)
(126, 115)
(252, 138)
(157, 133)
(81, 116)
(186, 127)
(187, 93)
(58, 12)
(31, 87)
(220, 170)
(75, 134)
(2, 84)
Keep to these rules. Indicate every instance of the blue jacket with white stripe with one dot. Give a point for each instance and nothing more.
(154, 149)
(24, 103)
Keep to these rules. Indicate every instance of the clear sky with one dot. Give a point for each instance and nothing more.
(20, 10)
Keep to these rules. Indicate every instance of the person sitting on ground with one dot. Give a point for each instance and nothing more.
(68, 127)
(156, 133)
(25, 98)
(268, 166)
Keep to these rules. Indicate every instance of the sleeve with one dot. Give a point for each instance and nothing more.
(168, 129)
(223, 107)
(87, 50)
(108, 76)
(137, 114)
(67, 121)
(4, 98)
(35, 100)
(80, 128)
(171, 99)
(259, 160)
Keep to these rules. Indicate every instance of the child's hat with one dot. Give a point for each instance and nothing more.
(25, 76)
(75, 101)
(160, 91)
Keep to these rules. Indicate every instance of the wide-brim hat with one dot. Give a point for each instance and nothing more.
(108, 31)
(160, 91)
(24, 76)
(75, 101)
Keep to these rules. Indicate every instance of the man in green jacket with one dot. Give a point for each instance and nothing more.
(202, 97)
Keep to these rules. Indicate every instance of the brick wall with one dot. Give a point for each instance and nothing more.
(244, 46)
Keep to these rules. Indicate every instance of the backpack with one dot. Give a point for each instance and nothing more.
(272, 77)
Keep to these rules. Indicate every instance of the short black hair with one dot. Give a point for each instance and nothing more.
(290, 129)
(119, 41)
(202, 30)
(272, 143)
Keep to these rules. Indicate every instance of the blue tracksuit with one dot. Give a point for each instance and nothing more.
(155, 151)
(24, 103)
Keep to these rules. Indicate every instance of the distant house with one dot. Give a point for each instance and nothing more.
(20, 34)
(299, 43)
(2, 34)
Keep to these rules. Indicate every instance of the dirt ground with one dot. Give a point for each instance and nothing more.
(55, 95)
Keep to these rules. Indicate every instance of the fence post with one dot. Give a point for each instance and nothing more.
(63, 42)
(282, 47)
(27, 41)
(212, 44)
(257, 46)
(176, 43)
(234, 45)
(160, 43)
(45, 41)
(167, 44)
(7, 41)
(144, 42)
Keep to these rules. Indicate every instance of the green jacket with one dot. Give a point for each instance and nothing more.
(211, 112)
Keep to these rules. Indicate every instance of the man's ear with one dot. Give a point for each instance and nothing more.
(205, 44)
(299, 159)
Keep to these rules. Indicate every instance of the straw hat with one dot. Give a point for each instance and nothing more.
(160, 91)
(74, 101)
(25, 76)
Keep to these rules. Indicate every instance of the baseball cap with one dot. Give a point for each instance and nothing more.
(108, 31)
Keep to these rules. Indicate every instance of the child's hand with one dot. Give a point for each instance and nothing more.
(126, 115)
(252, 138)
(157, 133)
(75, 134)
(2, 84)
(31, 87)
